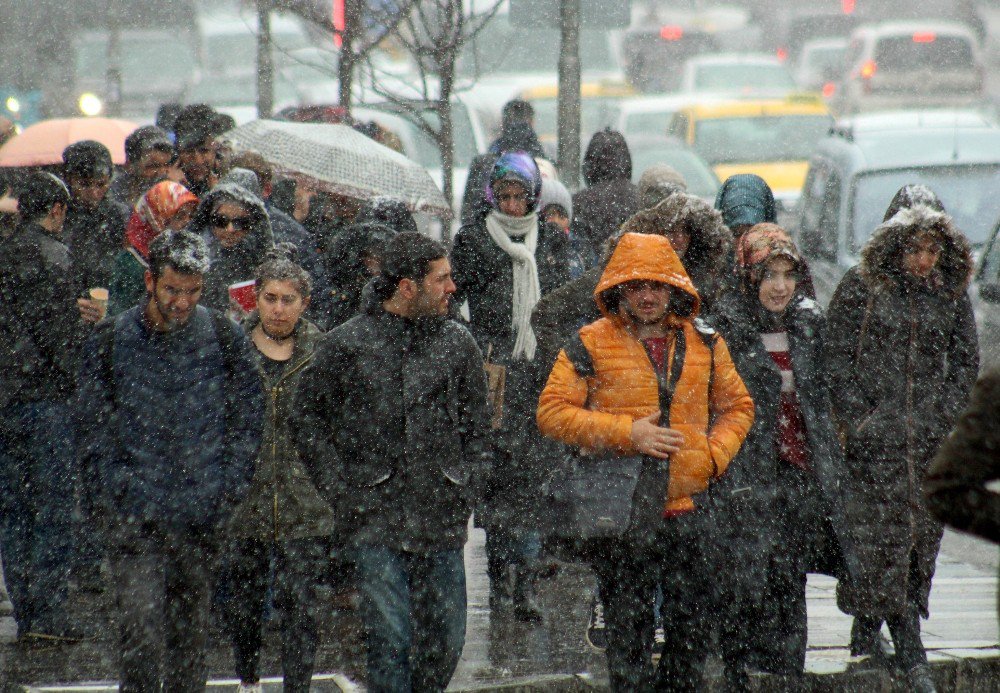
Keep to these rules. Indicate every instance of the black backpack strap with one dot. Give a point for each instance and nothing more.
(577, 353)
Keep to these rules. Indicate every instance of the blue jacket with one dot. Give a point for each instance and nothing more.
(169, 426)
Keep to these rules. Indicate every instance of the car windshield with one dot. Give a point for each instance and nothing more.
(924, 51)
(747, 78)
(502, 49)
(759, 138)
(967, 192)
(146, 59)
(651, 123)
(700, 179)
(595, 114)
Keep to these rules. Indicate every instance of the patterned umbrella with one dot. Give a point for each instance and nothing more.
(42, 144)
(341, 160)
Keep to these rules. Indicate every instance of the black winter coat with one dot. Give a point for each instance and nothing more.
(483, 273)
(95, 237)
(40, 325)
(392, 423)
(752, 503)
(902, 358)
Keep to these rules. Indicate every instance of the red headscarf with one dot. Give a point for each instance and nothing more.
(153, 212)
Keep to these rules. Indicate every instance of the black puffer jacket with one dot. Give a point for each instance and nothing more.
(750, 497)
(610, 197)
(392, 424)
(95, 237)
(902, 358)
(236, 264)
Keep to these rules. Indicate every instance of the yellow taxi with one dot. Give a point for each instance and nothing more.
(773, 138)
(598, 108)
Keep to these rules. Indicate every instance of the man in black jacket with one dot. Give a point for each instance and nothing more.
(392, 422)
(41, 326)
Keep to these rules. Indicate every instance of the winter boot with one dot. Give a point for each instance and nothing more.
(867, 641)
(919, 679)
(525, 606)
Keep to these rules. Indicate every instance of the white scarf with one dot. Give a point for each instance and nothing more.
(527, 290)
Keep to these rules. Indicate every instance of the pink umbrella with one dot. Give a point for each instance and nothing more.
(42, 144)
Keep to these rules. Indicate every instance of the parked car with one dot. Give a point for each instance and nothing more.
(648, 115)
(737, 75)
(859, 166)
(910, 64)
(772, 138)
(651, 149)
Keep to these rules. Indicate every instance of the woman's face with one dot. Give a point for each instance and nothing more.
(511, 197)
(778, 285)
(230, 222)
(182, 217)
(280, 306)
(921, 255)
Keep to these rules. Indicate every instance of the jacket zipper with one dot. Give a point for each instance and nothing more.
(275, 392)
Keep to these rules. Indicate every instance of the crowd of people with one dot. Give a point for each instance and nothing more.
(199, 454)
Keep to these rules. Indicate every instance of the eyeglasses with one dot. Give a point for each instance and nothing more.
(220, 221)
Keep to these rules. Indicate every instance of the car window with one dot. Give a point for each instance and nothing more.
(925, 50)
(652, 123)
(763, 138)
(742, 77)
(595, 114)
(967, 192)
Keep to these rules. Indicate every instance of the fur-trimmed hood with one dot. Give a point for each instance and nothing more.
(881, 257)
(710, 242)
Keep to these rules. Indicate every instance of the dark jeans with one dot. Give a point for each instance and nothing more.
(37, 479)
(247, 575)
(413, 609)
(510, 547)
(163, 584)
(627, 576)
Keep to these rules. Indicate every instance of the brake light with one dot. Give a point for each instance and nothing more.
(782, 54)
(829, 89)
(671, 32)
(924, 37)
(869, 69)
(847, 6)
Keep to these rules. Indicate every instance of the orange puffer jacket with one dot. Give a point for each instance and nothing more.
(595, 411)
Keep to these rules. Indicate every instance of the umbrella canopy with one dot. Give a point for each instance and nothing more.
(341, 160)
(42, 144)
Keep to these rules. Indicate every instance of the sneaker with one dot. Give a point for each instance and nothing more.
(597, 636)
(250, 688)
(920, 680)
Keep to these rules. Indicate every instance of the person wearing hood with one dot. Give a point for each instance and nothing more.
(502, 266)
(282, 516)
(649, 379)
(779, 511)
(165, 206)
(95, 224)
(555, 206)
(354, 257)
(746, 200)
(517, 134)
(237, 229)
(902, 359)
(610, 197)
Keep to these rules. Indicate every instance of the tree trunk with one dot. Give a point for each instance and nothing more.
(265, 63)
(446, 138)
(348, 59)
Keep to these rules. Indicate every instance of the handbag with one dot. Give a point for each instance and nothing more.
(600, 496)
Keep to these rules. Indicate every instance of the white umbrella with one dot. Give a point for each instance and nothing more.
(341, 160)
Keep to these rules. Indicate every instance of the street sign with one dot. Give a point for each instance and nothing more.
(594, 14)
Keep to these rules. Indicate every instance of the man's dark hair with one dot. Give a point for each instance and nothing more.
(144, 140)
(86, 159)
(407, 255)
(279, 266)
(166, 115)
(517, 111)
(195, 124)
(182, 251)
(38, 194)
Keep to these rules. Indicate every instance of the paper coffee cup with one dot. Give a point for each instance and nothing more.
(99, 294)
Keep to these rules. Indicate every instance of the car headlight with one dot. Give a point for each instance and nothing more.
(90, 104)
(12, 104)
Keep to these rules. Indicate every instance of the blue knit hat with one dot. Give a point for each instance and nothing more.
(746, 200)
(518, 167)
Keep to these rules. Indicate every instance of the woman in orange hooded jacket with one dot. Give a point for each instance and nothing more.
(604, 394)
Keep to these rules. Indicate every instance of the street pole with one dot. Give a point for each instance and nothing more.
(113, 84)
(569, 93)
(265, 63)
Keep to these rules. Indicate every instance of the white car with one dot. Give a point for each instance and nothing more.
(820, 64)
(737, 75)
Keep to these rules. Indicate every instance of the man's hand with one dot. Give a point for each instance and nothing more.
(90, 310)
(653, 440)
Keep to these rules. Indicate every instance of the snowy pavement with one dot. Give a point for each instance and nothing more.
(961, 636)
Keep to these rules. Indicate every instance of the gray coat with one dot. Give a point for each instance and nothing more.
(902, 358)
